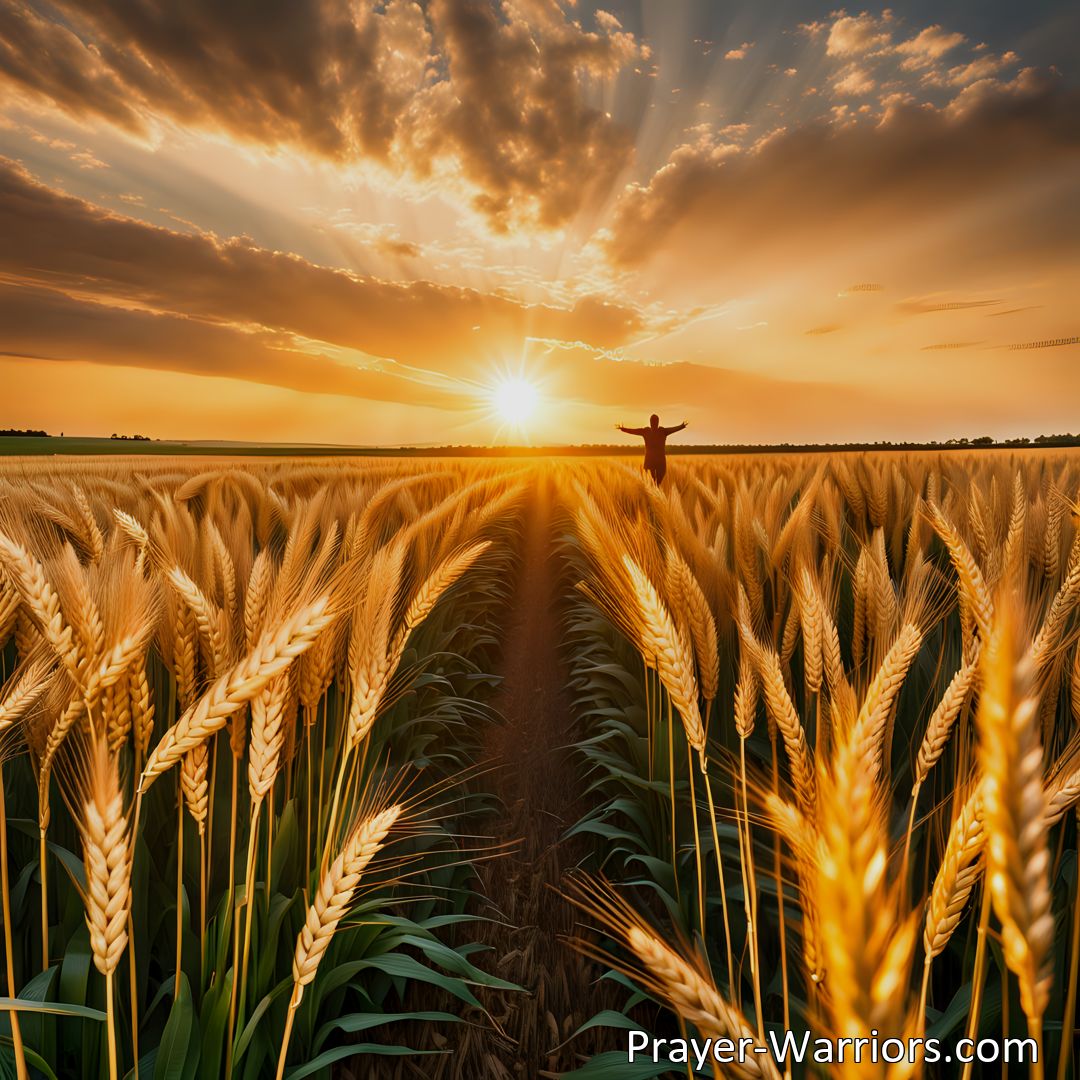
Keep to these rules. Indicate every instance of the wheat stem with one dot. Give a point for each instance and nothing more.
(179, 890)
(978, 973)
(9, 955)
(723, 888)
(43, 867)
(1068, 1017)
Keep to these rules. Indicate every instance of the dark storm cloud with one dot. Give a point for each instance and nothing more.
(491, 94)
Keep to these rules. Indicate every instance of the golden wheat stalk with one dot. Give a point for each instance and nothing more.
(697, 1000)
(107, 858)
(1044, 647)
(40, 600)
(83, 613)
(10, 604)
(207, 617)
(116, 714)
(267, 732)
(1010, 756)
(865, 935)
(972, 583)
(331, 905)
(746, 695)
(860, 589)
(666, 650)
(810, 613)
(372, 656)
(942, 719)
(687, 595)
(445, 575)
(1063, 783)
(801, 834)
(881, 695)
(89, 530)
(21, 692)
(960, 868)
(781, 709)
(1014, 556)
(334, 897)
(194, 785)
(882, 597)
(230, 692)
(142, 710)
(257, 595)
(133, 530)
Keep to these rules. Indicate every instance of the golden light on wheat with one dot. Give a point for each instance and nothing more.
(826, 711)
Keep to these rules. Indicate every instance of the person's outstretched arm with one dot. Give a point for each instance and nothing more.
(630, 430)
(672, 430)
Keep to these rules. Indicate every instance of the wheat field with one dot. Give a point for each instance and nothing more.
(822, 741)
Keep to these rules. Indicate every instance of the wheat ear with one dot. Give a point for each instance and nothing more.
(866, 937)
(231, 691)
(667, 650)
(194, 767)
(686, 592)
(1018, 860)
(206, 614)
(107, 855)
(142, 709)
(1063, 784)
(372, 655)
(332, 903)
(267, 732)
(22, 693)
(334, 897)
(437, 582)
(1043, 648)
(696, 1000)
(881, 696)
(956, 877)
(40, 600)
(134, 531)
(810, 612)
(781, 710)
(972, 582)
(942, 720)
(90, 531)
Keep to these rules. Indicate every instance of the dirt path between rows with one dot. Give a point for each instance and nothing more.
(537, 782)
(529, 767)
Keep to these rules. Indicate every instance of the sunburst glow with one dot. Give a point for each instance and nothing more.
(515, 400)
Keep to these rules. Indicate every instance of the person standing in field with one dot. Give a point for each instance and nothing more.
(655, 438)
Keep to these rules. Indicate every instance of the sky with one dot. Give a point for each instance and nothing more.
(477, 221)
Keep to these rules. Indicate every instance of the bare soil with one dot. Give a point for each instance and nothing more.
(536, 781)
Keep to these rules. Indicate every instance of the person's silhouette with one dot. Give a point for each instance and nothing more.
(655, 438)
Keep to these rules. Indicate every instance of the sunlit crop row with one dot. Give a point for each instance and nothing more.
(843, 749)
(218, 688)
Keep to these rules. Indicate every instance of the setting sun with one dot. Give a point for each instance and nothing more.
(515, 400)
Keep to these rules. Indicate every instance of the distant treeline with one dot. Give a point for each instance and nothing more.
(92, 445)
(983, 442)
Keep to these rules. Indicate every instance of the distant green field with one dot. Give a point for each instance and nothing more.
(18, 445)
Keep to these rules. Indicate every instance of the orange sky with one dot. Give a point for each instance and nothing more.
(347, 222)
